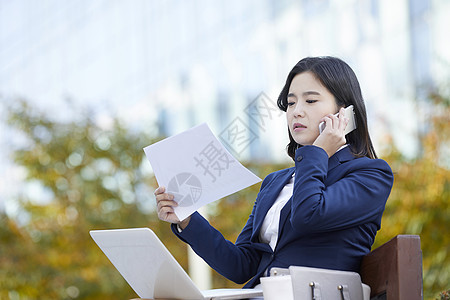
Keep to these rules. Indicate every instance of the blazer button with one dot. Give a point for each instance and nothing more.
(299, 158)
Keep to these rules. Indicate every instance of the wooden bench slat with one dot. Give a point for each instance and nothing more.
(395, 269)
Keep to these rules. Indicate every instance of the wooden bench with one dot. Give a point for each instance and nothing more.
(394, 270)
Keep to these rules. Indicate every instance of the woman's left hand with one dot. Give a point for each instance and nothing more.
(332, 137)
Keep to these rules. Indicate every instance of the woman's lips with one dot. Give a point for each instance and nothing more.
(298, 127)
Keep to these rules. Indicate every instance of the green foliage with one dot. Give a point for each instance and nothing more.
(95, 181)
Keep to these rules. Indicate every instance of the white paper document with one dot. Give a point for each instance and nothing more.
(196, 168)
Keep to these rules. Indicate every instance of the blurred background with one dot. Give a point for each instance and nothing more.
(85, 85)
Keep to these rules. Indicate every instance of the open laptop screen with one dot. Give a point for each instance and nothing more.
(145, 263)
(151, 270)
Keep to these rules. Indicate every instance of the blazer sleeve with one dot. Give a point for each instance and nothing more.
(237, 262)
(358, 196)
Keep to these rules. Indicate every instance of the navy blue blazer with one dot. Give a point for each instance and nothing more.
(329, 222)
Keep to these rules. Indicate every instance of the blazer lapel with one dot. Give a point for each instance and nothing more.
(271, 193)
(284, 215)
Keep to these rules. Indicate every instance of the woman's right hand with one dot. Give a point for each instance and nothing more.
(332, 138)
(165, 208)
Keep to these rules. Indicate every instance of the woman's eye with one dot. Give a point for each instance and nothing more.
(311, 101)
(290, 103)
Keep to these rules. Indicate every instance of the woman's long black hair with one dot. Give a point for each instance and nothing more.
(341, 81)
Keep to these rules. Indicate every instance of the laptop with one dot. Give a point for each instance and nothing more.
(151, 270)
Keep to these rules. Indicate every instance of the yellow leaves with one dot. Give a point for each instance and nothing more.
(420, 200)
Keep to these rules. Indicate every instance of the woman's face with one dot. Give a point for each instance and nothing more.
(308, 102)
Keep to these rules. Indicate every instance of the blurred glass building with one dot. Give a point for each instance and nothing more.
(169, 65)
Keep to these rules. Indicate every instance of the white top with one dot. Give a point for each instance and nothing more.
(271, 224)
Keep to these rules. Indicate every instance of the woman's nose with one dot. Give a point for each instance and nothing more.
(299, 110)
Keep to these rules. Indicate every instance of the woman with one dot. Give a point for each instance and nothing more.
(325, 211)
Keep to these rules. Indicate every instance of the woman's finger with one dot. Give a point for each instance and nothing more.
(167, 214)
(166, 210)
(159, 190)
(328, 122)
(343, 119)
(164, 196)
(344, 123)
(166, 203)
